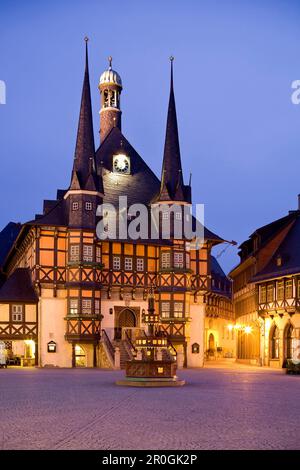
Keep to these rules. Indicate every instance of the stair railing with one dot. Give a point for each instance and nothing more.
(109, 346)
(128, 340)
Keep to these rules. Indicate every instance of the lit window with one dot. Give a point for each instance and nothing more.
(165, 309)
(74, 252)
(165, 215)
(17, 313)
(166, 259)
(75, 206)
(270, 293)
(289, 289)
(178, 260)
(98, 254)
(178, 309)
(128, 264)
(280, 290)
(275, 343)
(73, 306)
(88, 253)
(263, 297)
(117, 262)
(88, 206)
(178, 216)
(140, 264)
(86, 306)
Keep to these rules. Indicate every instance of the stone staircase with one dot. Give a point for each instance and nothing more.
(124, 354)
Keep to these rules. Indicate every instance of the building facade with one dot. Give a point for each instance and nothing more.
(266, 294)
(90, 293)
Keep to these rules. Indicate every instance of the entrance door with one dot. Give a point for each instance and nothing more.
(211, 342)
(80, 359)
(126, 319)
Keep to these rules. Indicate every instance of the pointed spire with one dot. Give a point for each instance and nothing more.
(85, 146)
(172, 178)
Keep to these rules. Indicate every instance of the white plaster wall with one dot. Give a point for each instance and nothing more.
(196, 335)
(52, 327)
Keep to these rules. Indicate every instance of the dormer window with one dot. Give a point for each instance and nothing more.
(279, 261)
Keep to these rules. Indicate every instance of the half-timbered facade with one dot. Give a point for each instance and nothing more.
(266, 292)
(91, 292)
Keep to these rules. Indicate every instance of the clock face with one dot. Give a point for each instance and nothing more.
(121, 164)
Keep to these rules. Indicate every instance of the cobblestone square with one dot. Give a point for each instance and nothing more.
(219, 408)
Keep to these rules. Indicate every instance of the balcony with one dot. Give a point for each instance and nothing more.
(83, 329)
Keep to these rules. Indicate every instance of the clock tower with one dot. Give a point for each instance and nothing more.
(110, 86)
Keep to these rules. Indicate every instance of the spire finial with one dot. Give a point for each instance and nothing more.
(86, 40)
(110, 61)
(171, 60)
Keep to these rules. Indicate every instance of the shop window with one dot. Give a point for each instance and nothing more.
(275, 343)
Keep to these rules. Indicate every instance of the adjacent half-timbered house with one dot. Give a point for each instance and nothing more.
(266, 292)
(92, 292)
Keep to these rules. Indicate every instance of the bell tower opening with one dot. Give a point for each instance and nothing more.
(110, 87)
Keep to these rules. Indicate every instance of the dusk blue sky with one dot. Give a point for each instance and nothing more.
(234, 65)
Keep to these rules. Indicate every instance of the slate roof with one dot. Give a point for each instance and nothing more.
(266, 232)
(7, 237)
(141, 186)
(84, 175)
(288, 250)
(18, 287)
(172, 185)
(222, 284)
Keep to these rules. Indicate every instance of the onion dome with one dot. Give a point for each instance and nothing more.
(110, 76)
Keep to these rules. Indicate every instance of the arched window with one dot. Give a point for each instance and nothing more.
(275, 343)
(289, 340)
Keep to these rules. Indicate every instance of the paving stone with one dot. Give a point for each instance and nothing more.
(219, 408)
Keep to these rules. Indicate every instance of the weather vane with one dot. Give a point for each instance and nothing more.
(110, 60)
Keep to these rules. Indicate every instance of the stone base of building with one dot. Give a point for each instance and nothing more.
(151, 382)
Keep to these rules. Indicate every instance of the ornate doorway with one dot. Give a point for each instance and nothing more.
(125, 318)
(211, 342)
(80, 357)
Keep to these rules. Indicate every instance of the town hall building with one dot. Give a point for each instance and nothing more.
(70, 299)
